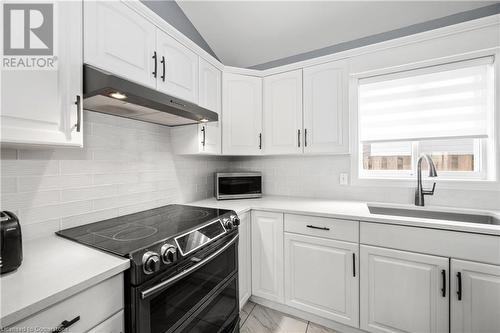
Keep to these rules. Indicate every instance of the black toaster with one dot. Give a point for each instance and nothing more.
(11, 254)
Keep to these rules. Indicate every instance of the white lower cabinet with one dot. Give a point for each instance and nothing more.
(321, 277)
(88, 309)
(245, 258)
(267, 255)
(403, 291)
(475, 297)
(115, 324)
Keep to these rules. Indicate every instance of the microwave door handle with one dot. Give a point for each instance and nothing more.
(160, 286)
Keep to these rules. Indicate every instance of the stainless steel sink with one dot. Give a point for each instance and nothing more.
(436, 215)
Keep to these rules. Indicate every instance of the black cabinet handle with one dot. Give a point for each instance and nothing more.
(156, 64)
(305, 137)
(459, 291)
(204, 137)
(443, 290)
(298, 138)
(260, 140)
(315, 227)
(354, 264)
(65, 324)
(163, 64)
(79, 111)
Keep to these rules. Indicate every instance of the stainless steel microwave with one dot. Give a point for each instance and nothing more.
(238, 185)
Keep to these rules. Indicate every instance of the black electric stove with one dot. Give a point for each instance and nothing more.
(183, 266)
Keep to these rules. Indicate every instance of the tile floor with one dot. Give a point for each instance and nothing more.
(259, 319)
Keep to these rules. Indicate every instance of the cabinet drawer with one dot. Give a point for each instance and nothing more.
(111, 325)
(454, 244)
(346, 230)
(93, 305)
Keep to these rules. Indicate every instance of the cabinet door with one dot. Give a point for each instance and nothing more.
(326, 113)
(267, 255)
(119, 40)
(241, 115)
(110, 325)
(403, 291)
(478, 307)
(245, 259)
(321, 277)
(39, 107)
(210, 83)
(177, 68)
(282, 113)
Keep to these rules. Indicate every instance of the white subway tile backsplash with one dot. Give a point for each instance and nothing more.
(94, 216)
(125, 166)
(38, 183)
(12, 168)
(8, 184)
(37, 214)
(318, 177)
(29, 199)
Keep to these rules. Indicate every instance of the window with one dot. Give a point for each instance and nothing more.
(445, 111)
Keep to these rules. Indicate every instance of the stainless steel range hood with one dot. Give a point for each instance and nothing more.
(107, 93)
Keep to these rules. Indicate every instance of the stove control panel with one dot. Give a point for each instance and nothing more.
(150, 262)
(235, 220)
(168, 254)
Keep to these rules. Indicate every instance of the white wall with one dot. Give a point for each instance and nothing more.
(126, 166)
(318, 176)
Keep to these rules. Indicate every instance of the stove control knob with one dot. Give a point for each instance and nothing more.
(150, 262)
(168, 254)
(235, 220)
(227, 224)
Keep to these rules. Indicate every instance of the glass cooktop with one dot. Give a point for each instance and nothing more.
(125, 234)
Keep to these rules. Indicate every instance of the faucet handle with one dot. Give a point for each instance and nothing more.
(430, 192)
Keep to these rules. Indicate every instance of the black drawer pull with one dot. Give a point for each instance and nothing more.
(65, 324)
(155, 58)
(443, 290)
(315, 227)
(354, 264)
(459, 291)
(163, 64)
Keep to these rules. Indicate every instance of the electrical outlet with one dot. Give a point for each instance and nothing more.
(344, 179)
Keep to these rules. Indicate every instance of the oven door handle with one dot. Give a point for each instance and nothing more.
(153, 290)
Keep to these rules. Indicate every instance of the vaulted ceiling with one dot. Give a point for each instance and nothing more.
(248, 33)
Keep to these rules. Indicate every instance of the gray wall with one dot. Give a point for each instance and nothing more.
(406, 31)
(170, 11)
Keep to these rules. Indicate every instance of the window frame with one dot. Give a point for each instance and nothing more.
(489, 149)
(480, 165)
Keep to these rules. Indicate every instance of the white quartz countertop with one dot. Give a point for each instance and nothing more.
(351, 210)
(52, 270)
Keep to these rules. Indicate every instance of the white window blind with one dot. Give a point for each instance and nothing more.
(447, 101)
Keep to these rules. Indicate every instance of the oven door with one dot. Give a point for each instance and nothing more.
(186, 301)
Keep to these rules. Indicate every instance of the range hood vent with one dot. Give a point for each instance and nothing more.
(107, 93)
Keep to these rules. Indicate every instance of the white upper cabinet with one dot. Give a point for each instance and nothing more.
(177, 68)
(44, 107)
(267, 255)
(326, 113)
(475, 297)
(403, 291)
(321, 277)
(241, 115)
(210, 97)
(202, 138)
(282, 113)
(119, 40)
